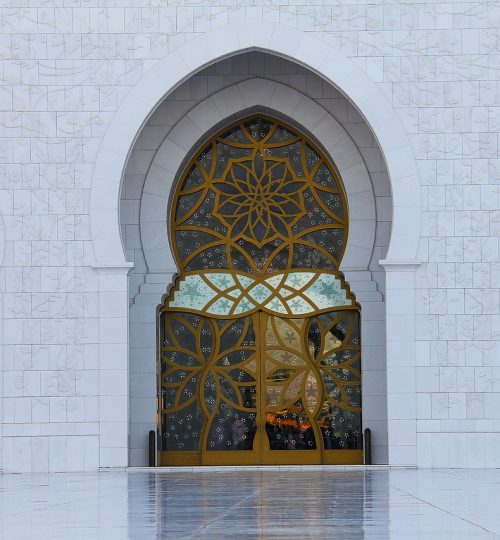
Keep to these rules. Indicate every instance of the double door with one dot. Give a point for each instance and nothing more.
(259, 389)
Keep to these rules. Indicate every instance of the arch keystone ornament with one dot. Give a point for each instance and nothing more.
(259, 353)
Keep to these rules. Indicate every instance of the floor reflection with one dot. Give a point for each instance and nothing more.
(349, 504)
(262, 504)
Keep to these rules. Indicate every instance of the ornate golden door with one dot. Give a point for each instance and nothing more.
(259, 340)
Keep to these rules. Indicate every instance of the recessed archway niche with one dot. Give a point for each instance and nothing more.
(361, 154)
(203, 119)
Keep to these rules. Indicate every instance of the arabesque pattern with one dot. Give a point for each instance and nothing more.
(259, 336)
(259, 197)
(226, 294)
(312, 373)
(208, 376)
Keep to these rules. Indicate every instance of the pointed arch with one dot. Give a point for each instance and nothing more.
(227, 41)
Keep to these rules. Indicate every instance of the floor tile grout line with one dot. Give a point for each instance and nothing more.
(445, 511)
(229, 510)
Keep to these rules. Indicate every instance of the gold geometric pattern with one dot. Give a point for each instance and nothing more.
(259, 350)
(208, 375)
(226, 294)
(259, 197)
(312, 368)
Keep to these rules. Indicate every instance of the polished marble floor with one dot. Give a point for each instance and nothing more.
(331, 503)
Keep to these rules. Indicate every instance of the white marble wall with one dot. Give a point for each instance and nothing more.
(64, 69)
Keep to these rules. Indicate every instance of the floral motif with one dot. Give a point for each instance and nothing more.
(223, 294)
(259, 199)
(260, 332)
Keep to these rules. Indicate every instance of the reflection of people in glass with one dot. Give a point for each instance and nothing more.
(288, 432)
(233, 432)
(241, 437)
(340, 430)
(248, 403)
(329, 442)
(238, 434)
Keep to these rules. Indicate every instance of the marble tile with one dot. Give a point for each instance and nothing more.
(216, 502)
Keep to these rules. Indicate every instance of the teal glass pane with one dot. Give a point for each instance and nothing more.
(260, 293)
(276, 305)
(299, 306)
(221, 281)
(193, 293)
(327, 292)
(297, 280)
(323, 291)
(222, 306)
(275, 281)
(245, 281)
(243, 306)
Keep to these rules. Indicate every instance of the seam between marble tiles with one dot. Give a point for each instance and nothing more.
(445, 511)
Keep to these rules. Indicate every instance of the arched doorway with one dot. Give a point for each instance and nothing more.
(259, 340)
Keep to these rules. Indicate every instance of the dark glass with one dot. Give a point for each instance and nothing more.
(255, 197)
(290, 429)
(233, 426)
(340, 366)
(181, 431)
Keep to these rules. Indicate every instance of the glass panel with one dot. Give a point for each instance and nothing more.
(299, 306)
(193, 293)
(327, 292)
(266, 194)
(291, 386)
(181, 365)
(339, 361)
(258, 128)
(260, 293)
(208, 382)
(233, 427)
(293, 293)
(312, 381)
(290, 429)
(182, 430)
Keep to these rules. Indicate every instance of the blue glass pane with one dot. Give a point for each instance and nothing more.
(299, 306)
(275, 281)
(193, 293)
(297, 280)
(222, 306)
(276, 305)
(243, 306)
(260, 293)
(245, 281)
(277, 294)
(327, 292)
(221, 281)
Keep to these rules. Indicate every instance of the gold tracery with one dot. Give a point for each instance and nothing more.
(258, 228)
